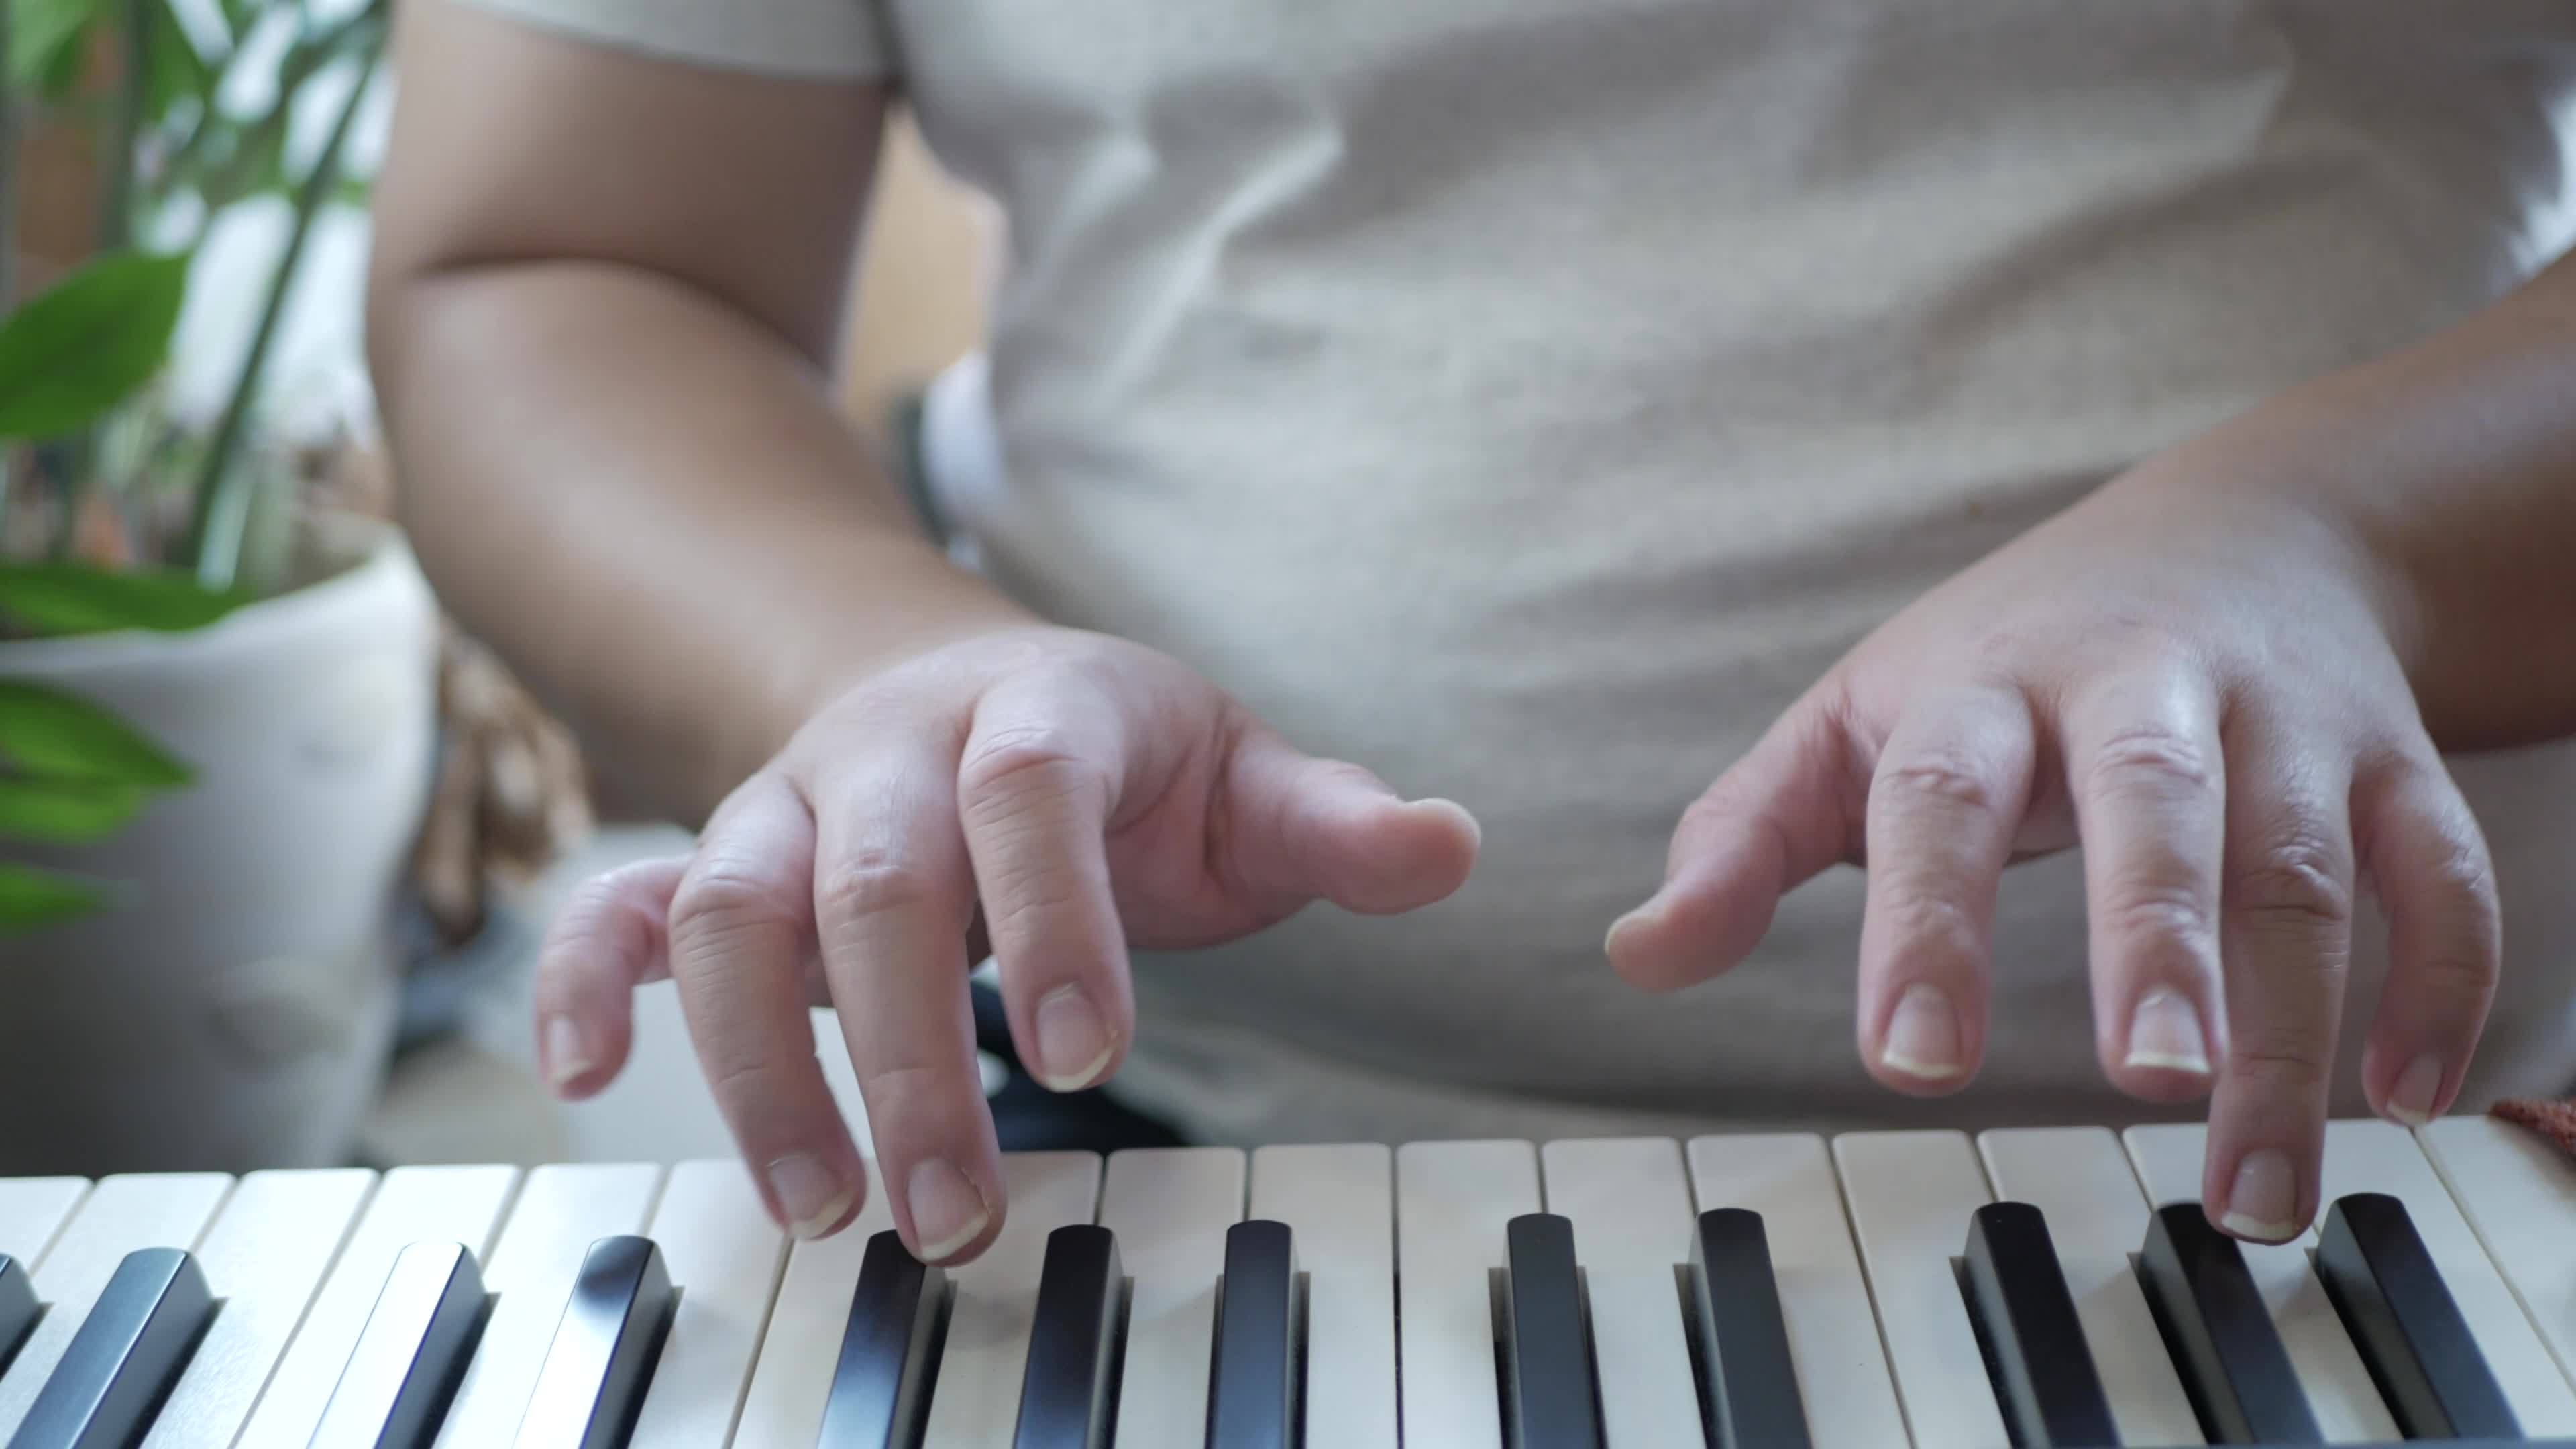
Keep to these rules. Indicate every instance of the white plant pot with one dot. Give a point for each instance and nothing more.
(236, 1008)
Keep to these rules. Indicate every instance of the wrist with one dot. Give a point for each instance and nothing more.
(898, 599)
(2441, 482)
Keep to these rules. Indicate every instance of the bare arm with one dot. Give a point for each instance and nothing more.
(601, 321)
(602, 313)
(2453, 462)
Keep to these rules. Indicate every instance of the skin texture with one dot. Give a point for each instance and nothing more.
(603, 344)
(2227, 673)
(623, 469)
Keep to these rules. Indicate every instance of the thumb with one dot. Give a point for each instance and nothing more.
(1777, 818)
(1303, 828)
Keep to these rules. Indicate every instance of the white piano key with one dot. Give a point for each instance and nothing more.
(2518, 1191)
(993, 1300)
(2083, 1184)
(1339, 1205)
(563, 1210)
(2373, 1156)
(410, 1205)
(1911, 1196)
(2349, 1410)
(1788, 1179)
(792, 1380)
(1453, 1203)
(1631, 1209)
(1169, 1207)
(263, 1258)
(32, 1211)
(120, 1215)
(2166, 1156)
(724, 1255)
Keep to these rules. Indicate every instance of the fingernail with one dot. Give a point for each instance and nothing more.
(1456, 812)
(566, 1057)
(2165, 1032)
(2263, 1202)
(2411, 1100)
(811, 1195)
(947, 1211)
(1630, 921)
(1923, 1034)
(1073, 1040)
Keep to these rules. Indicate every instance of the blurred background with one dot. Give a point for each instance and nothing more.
(277, 843)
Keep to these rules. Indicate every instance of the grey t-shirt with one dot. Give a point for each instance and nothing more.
(1528, 398)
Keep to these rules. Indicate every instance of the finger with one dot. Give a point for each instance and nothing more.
(609, 939)
(2144, 772)
(2428, 861)
(1780, 815)
(893, 892)
(1035, 789)
(1297, 828)
(1943, 807)
(740, 923)
(2286, 933)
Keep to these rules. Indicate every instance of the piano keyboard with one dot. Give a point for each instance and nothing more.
(1872, 1291)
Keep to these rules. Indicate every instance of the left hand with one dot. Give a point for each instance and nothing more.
(2194, 673)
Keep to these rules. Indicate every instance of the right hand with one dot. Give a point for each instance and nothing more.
(1059, 793)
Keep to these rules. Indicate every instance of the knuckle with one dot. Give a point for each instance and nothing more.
(2154, 758)
(2463, 873)
(1024, 761)
(1028, 908)
(2279, 1064)
(2460, 973)
(726, 896)
(746, 1080)
(1923, 922)
(2160, 911)
(907, 1094)
(870, 881)
(2297, 880)
(1940, 778)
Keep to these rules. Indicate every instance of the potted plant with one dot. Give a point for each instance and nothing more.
(217, 701)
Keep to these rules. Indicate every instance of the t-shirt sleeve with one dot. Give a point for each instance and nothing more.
(834, 39)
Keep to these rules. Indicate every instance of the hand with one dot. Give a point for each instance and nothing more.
(1063, 794)
(2196, 679)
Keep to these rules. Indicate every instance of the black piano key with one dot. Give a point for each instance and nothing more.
(600, 1363)
(2220, 1335)
(1749, 1383)
(411, 1354)
(2034, 1345)
(1256, 1378)
(129, 1350)
(889, 1351)
(18, 1308)
(1551, 1393)
(1069, 1390)
(2402, 1318)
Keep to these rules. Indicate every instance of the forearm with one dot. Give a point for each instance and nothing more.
(649, 506)
(2452, 466)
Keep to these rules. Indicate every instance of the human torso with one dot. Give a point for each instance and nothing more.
(1528, 398)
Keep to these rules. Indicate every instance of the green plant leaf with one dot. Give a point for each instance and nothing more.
(31, 899)
(54, 597)
(82, 347)
(60, 85)
(49, 734)
(66, 812)
(40, 31)
(177, 70)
